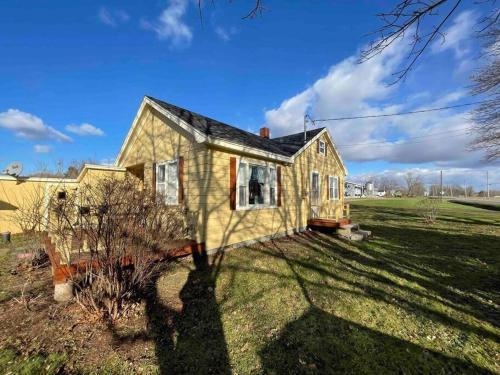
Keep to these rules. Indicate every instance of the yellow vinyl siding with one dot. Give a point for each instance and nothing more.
(226, 227)
(19, 194)
(206, 183)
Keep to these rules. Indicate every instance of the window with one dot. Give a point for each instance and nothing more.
(61, 195)
(167, 181)
(315, 189)
(256, 186)
(272, 186)
(242, 185)
(322, 147)
(333, 182)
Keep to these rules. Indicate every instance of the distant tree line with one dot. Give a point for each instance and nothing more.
(412, 185)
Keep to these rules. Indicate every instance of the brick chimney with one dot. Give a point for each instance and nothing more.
(265, 133)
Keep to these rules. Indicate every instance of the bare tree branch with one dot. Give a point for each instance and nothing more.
(487, 82)
(407, 17)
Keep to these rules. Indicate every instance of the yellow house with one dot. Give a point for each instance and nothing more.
(26, 193)
(236, 186)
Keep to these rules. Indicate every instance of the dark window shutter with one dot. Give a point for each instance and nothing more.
(326, 149)
(327, 187)
(181, 180)
(232, 183)
(153, 181)
(317, 146)
(278, 182)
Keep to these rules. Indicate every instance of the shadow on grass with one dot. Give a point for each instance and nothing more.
(477, 204)
(412, 268)
(383, 214)
(373, 272)
(321, 343)
(189, 341)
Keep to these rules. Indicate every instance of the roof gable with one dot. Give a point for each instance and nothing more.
(206, 129)
(286, 146)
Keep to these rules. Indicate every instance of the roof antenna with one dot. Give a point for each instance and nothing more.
(306, 118)
(305, 128)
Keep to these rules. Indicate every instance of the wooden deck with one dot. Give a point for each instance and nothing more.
(61, 273)
(321, 223)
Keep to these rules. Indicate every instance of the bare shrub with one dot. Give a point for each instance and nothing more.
(114, 231)
(428, 209)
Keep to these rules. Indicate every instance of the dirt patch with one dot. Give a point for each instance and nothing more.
(88, 345)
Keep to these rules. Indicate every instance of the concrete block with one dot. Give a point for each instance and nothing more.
(352, 237)
(63, 292)
(344, 231)
(365, 233)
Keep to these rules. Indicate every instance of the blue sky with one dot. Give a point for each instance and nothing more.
(72, 76)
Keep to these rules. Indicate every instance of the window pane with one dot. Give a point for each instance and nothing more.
(160, 173)
(256, 184)
(272, 187)
(242, 185)
(172, 183)
(171, 193)
(172, 172)
(242, 190)
(322, 147)
(160, 190)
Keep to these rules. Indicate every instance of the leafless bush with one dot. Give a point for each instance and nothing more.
(114, 231)
(29, 216)
(428, 209)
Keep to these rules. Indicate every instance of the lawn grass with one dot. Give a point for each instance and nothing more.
(13, 363)
(416, 299)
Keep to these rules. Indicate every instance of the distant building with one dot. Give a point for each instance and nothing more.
(354, 190)
(369, 191)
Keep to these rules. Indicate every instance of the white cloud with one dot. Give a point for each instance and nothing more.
(26, 125)
(170, 26)
(456, 37)
(351, 89)
(42, 149)
(84, 129)
(225, 34)
(344, 90)
(112, 17)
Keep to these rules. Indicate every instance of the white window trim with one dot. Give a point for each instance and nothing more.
(321, 142)
(248, 162)
(319, 187)
(165, 163)
(336, 181)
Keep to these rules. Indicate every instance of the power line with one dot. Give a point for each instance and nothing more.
(392, 143)
(400, 113)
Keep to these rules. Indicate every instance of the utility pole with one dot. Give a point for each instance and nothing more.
(487, 185)
(441, 187)
(465, 188)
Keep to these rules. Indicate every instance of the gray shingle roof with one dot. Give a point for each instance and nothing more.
(287, 145)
